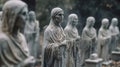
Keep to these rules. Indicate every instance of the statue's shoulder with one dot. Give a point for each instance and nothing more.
(3, 36)
(3, 40)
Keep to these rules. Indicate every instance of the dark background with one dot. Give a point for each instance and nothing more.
(83, 8)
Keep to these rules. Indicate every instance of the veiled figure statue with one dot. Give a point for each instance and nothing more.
(13, 47)
(88, 39)
(0, 19)
(104, 40)
(54, 41)
(73, 50)
(32, 34)
(114, 30)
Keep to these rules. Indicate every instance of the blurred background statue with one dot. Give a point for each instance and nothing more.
(104, 40)
(115, 34)
(13, 47)
(88, 39)
(73, 50)
(0, 19)
(32, 34)
(54, 41)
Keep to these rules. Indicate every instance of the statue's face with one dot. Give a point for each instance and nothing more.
(91, 21)
(115, 22)
(32, 16)
(22, 18)
(75, 21)
(105, 23)
(59, 17)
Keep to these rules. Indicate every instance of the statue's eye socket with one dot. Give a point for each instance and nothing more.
(24, 13)
(60, 14)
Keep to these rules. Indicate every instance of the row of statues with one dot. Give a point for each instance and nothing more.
(66, 48)
(19, 38)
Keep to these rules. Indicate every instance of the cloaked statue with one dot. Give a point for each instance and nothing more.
(0, 19)
(73, 50)
(54, 41)
(104, 40)
(13, 48)
(32, 34)
(115, 34)
(89, 38)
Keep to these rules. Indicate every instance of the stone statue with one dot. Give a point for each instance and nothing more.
(114, 30)
(13, 48)
(54, 41)
(104, 40)
(73, 50)
(88, 39)
(32, 34)
(0, 19)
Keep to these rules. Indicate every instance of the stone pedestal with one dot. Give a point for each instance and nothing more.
(93, 63)
(115, 57)
(107, 64)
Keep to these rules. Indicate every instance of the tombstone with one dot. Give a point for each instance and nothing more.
(93, 61)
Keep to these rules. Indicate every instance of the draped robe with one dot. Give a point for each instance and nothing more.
(53, 54)
(12, 52)
(104, 40)
(73, 48)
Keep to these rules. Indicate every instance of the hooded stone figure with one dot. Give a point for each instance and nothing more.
(54, 41)
(13, 48)
(114, 30)
(32, 34)
(104, 40)
(73, 50)
(0, 19)
(88, 39)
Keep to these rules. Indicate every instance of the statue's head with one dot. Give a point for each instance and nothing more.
(57, 15)
(15, 14)
(73, 19)
(105, 23)
(114, 21)
(90, 21)
(32, 15)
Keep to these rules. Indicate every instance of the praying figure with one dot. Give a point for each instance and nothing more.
(54, 45)
(104, 40)
(114, 30)
(89, 38)
(32, 34)
(73, 50)
(14, 51)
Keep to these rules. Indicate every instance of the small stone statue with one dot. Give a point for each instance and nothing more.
(73, 50)
(93, 56)
(32, 34)
(88, 39)
(13, 47)
(54, 41)
(104, 40)
(114, 30)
